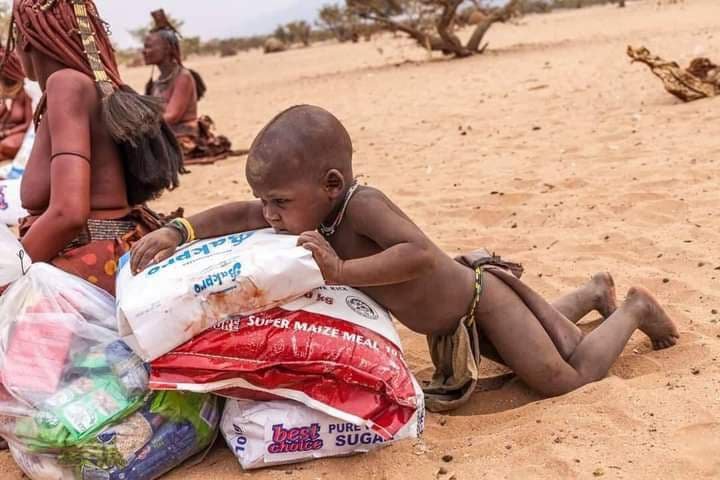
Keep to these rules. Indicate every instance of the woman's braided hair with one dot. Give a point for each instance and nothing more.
(72, 33)
(13, 69)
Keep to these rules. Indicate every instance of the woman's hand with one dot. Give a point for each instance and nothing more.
(154, 248)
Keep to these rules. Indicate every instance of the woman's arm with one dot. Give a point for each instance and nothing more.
(70, 98)
(182, 95)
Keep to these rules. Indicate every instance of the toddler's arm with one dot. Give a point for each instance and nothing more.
(229, 218)
(223, 220)
(406, 252)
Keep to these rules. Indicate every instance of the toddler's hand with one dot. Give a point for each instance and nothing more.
(153, 248)
(328, 261)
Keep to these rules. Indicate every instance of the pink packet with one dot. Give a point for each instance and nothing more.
(37, 353)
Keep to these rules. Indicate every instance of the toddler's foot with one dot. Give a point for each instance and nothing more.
(654, 322)
(605, 300)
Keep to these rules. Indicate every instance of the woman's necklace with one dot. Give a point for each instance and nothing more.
(329, 230)
(10, 92)
(162, 83)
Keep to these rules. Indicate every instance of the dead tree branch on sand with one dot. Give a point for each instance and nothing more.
(431, 23)
(700, 80)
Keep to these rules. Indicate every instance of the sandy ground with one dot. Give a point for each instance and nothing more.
(555, 151)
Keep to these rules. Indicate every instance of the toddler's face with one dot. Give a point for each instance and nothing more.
(294, 208)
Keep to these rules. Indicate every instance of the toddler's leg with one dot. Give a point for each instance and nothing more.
(527, 347)
(597, 294)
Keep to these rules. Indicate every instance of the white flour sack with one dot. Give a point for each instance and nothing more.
(207, 282)
(335, 350)
(10, 205)
(262, 434)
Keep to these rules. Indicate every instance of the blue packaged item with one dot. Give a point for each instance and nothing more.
(168, 430)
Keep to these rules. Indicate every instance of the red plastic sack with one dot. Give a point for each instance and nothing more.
(334, 350)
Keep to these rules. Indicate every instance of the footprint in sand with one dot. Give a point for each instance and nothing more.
(700, 455)
(633, 366)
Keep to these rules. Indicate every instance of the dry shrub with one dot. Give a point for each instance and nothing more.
(274, 45)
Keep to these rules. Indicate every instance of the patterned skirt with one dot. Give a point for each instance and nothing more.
(94, 254)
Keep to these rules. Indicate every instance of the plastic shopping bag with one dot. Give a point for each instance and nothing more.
(11, 210)
(14, 261)
(169, 429)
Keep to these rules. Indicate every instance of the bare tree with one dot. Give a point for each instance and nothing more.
(299, 32)
(333, 19)
(281, 34)
(431, 23)
(343, 23)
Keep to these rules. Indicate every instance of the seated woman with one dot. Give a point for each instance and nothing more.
(181, 88)
(15, 107)
(101, 149)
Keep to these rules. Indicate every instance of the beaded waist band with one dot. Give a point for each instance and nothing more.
(101, 230)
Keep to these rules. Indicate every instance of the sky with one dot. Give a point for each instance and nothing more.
(207, 18)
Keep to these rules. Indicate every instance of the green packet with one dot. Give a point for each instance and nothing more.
(76, 412)
(88, 404)
(93, 360)
(200, 409)
(119, 444)
(43, 431)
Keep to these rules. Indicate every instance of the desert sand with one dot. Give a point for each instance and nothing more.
(554, 151)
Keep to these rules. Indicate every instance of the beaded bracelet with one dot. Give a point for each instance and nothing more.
(188, 228)
(180, 228)
(184, 227)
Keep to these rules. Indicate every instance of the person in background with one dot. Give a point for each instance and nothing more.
(15, 107)
(180, 89)
(15, 170)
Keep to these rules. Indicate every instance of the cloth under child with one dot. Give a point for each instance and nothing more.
(457, 356)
